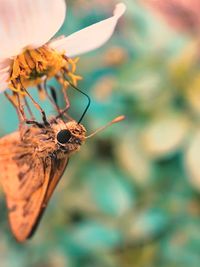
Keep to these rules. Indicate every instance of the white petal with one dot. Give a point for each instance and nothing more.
(3, 80)
(91, 37)
(5, 63)
(3, 86)
(28, 23)
(4, 73)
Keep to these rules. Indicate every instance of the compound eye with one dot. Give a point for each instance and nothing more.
(63, 136)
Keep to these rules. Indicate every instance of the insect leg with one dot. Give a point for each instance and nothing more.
(21, 107)
(54, 95)
(66, 98)
(52, 99)
(29, 109)
(32, 120)
(21, 118)
(12, 101)
(63, 112)
(44, 118)
(23, 89)
(64, 84)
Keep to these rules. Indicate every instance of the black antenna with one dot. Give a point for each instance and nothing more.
(88, 98)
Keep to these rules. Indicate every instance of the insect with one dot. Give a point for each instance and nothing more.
(32, 161)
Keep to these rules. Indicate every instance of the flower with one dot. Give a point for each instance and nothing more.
(28, 56)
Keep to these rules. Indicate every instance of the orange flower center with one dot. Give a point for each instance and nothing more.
(31, 67)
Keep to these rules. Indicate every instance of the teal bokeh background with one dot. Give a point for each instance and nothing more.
(130, 197)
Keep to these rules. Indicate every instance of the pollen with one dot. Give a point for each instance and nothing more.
(33, 66)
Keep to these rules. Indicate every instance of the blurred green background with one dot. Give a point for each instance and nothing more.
(131, 196)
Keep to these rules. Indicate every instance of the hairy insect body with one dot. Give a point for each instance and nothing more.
(43, 141)
(32, 162)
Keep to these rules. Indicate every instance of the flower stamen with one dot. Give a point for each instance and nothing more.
(31, 67)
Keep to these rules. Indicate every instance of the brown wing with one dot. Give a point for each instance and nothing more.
(57, 169)
(24, 213)
(28, 183)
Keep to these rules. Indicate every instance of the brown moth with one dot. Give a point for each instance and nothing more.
(32, 161)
